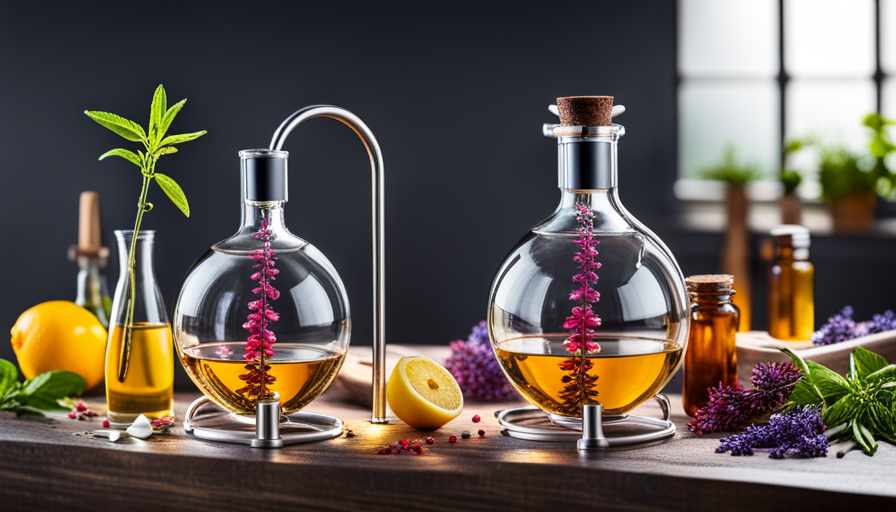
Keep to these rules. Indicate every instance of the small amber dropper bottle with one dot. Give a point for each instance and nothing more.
(791, 286)
(711, 357)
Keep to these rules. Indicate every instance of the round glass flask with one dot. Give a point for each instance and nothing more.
(590, 306)
(262, 314)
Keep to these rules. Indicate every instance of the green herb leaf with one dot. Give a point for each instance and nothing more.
(127, 129)
(54, 384)
(8, 377)
(867, 362)
(41, 401)
(887, 373)
(169, 117)
(27, 412)
(819, 385)
(158, 108)
(167, 150)
(177, 139)
(174, 192)
(123, 153)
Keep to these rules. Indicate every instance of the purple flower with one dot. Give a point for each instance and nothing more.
(474, 366)
(795, 433)
(259, 344)
(731, 407)
(840, 327)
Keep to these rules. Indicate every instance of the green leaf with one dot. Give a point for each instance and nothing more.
(167, 150)
(159, 106)
(887, 373)
(130, 156)
(127, 129)
(8, 377)
(55, 384)
(27, 412)
(41, 401)
(177, 139)
(174, 192)
(169, 117)
(867, 362)
(864, 437)
(818, 385)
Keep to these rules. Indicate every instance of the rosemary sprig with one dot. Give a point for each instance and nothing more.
(859, 408)
(156, 145)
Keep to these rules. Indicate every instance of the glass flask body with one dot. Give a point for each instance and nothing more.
(711, 359)
(148, 385)
(589, 307)
(791, 286)
(262, 314)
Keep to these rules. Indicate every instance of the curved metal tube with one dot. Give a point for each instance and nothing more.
(379, 252)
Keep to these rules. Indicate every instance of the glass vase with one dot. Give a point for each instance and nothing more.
(139, 380)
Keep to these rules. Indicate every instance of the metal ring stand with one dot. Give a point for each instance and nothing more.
(206, 420)
(533, 424)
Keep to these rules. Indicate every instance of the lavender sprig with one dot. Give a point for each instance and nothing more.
(474, 366)
(732, 407)
(842, 327)
(798, 432)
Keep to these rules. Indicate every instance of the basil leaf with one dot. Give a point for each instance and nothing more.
(177, 139)
(840, 412)
(169, 117)
(41, 401)
(8, 377)
(806, 394)
(868, 437)
(174, 192)
(55, 384)
(819, 383)
(887, 373)
(124, 127)
(27, 412)
(867, 362)
(123, 153)
(158, 107)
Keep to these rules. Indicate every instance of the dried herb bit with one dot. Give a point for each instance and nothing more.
(349, 432)
(402, 447)
(79, 411)
(860, 407)
(798, 432)
(42, 393)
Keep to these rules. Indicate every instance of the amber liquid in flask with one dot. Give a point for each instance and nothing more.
(791, 286)
(626, 373)
(147, 386)
(711, 359)
(301, 373)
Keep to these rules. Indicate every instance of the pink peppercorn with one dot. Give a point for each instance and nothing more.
(430, 440)
(105, 423)
(452, 439)
(476, 419)
(72, 415)
(481, 433)
(81, 407)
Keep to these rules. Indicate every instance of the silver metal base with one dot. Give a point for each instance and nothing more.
(533, 424)
(206, 420)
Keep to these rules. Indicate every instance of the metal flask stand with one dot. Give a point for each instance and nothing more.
(205, 420)
(532, 424)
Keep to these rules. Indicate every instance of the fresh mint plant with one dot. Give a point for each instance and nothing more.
(156, 144)
(859, 408)
(46, 392)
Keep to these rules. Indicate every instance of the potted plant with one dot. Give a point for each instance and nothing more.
(736, 249)
(849, 190)
(791, 205)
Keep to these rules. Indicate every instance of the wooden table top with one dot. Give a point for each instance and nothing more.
(46, 465)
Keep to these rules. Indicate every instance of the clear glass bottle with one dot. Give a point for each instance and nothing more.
(148, 386)
(262, 314)
(591, 258)
(791, 285)
(711, 359)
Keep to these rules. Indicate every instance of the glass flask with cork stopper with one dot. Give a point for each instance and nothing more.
(791, 285)
(711, 360)
(588, 315)
(262, 321)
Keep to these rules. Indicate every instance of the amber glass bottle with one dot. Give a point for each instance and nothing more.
(791, 286)
(711, 357)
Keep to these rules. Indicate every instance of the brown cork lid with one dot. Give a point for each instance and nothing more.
(710, 282)
(585, 110)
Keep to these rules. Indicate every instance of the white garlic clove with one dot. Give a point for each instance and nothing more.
(141, 427)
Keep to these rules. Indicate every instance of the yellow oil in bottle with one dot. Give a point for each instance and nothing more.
(628, 370)
(791, 288)
(148, 387)
(301, 373)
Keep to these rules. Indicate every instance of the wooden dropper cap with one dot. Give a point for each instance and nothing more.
(585, 110)
(89, 232)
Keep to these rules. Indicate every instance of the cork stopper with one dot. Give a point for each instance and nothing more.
(89, 233)
(710, 282)
(585, 110)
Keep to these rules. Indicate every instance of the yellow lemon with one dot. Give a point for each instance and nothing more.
(423, 394)
(60, 335)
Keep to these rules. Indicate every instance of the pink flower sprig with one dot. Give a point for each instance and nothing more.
(579, 385)
(259, 344)
(583, 319)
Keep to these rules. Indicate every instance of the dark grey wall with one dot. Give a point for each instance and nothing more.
(455, 92)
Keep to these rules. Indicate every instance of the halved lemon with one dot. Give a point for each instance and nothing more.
(423, 394)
